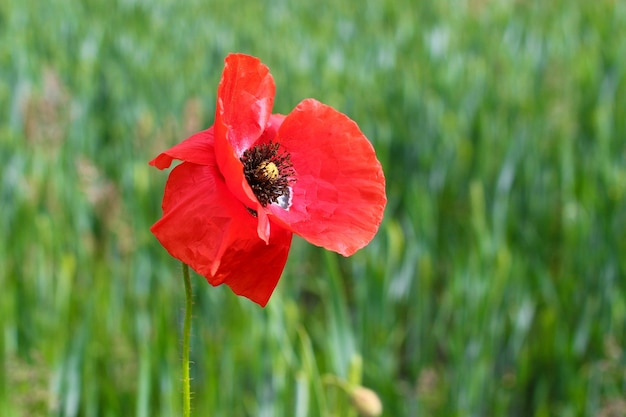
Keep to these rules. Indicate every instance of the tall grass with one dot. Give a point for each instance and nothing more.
(494, 287)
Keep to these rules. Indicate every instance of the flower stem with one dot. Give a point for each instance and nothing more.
(186, 337)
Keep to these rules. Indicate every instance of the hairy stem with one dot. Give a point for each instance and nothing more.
(186, 347)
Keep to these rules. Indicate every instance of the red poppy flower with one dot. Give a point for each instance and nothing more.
(254, 178)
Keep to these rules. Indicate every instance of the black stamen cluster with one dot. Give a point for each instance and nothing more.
(267, 189)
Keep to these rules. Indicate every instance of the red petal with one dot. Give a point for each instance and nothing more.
(245, 98)
(339, 193)
(252, 268)
(269, 134)
(206, 227)
(198, 149)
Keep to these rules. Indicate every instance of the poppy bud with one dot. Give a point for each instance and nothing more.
(366, 402)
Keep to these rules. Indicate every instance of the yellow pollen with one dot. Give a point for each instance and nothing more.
(267, 170)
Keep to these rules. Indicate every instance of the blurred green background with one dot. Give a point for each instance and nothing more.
(496, 285)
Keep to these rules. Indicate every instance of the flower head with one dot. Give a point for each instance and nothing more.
(366, 401)
(253, 179)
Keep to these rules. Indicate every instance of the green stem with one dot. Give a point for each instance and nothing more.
(186, 337)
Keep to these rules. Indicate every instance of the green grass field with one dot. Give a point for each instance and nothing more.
(496, 285)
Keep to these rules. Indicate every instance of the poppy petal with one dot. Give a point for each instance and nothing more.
(338, 197)
(197, 149)
(206, 227)
(258, 265)
(269, 134)
(245, 97)
(197, 215)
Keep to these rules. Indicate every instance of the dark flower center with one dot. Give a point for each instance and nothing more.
(269, 173)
